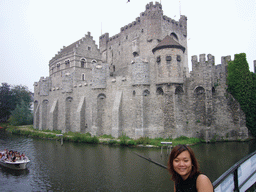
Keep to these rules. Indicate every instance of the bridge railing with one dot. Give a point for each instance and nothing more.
(240, 177)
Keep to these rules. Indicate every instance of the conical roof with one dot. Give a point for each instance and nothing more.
(168, 42)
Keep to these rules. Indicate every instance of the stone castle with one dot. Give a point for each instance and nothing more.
(138, 83)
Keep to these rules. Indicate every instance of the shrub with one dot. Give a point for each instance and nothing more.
(107, 136)
(112, 142)
(143, 140)
(131, 142)
(181, 138)
(123, 139)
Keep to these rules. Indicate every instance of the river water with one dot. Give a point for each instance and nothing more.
(87, 167)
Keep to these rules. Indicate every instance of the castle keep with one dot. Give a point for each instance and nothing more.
(138, 83)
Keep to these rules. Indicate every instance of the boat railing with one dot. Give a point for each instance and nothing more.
(240, 177)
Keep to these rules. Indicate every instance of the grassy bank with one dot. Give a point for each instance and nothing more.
(29, 131)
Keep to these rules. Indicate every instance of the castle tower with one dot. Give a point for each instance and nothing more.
(44, 86)
(169, 61)
(169, 58)
(154, 14)
(103, 46)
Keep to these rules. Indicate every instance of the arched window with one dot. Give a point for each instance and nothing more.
(174, 36)
(94, 61)
(178, 90)
(58, 66)
(146, 92)
(135, 54)
(199, 90)
(159, 91)
(83, 62)
(101, 96)
(67, 63)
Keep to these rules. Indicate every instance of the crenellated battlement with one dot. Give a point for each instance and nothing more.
(153, 11)
(202, 61)
(203, 69)
(130, 25)
(152, 6)
(44, 79)
(177, 25)
(104, 37)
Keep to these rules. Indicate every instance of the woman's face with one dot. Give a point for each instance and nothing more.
(182, 164)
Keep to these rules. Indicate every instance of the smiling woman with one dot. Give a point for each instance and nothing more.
(184, 168)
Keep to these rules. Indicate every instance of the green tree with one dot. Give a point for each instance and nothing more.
(20, 93)
(21, 115)
(6, 102)
(10, 97)
(241, 84)
(252, 106)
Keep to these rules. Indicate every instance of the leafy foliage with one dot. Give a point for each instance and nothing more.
(6, 102)
(242, 85)
(11, 97)
(21, 93)
(123, 139)
(21, 115)
(143, 140)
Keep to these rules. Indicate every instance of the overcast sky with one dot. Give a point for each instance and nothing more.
(33, 31)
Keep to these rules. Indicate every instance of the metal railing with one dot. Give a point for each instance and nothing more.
(239, 177)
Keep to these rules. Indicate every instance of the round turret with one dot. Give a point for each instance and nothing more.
(169, 61)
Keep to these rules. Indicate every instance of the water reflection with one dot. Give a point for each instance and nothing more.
(5, 172)
(81, 167)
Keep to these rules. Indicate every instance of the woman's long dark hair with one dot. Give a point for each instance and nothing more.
(175, 153)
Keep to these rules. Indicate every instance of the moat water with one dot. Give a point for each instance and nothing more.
(87, 167)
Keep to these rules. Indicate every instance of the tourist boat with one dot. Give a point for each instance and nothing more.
(17, 165)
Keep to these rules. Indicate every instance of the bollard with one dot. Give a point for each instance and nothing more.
(168, 145)
(61, 139)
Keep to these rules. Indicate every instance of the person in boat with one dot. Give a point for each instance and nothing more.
(3, 157)
(184, 169)
(23, 156)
